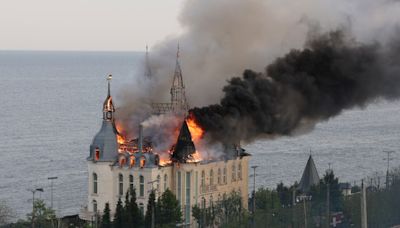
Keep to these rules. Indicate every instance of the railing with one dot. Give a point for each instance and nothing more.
(161, 108)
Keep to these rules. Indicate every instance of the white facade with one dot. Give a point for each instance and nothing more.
(193, 184)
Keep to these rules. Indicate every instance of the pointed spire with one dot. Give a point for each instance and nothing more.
(310, 176)
(178, 97)
(109, 82)
(108, 106)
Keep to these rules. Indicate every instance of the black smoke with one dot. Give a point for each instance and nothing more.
(333, 72)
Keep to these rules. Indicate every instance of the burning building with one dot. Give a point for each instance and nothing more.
(116, 164)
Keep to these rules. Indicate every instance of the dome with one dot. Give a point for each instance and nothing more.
(104, 146)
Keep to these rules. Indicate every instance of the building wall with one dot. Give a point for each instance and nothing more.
(185, 181)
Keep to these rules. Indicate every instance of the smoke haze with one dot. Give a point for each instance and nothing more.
(222, 38)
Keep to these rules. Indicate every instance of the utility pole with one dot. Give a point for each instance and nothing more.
(51, 190)
(388, 159)
(364, 220)
(254, 167)
(328, 211)
(33, 204)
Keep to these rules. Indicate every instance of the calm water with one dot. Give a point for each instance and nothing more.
(51, 109)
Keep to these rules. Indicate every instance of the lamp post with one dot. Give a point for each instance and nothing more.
(51, 190)
(33, 203)
(304, 198)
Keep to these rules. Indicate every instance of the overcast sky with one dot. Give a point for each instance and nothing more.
(86, 24)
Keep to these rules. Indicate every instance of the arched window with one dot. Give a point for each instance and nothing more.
(141, 190)
(142, 161)
(224, 176)
(240, 171)
(132, 161)
(94, 183)
(165, 181)
(131, 182)
(211, 177)
(233, 172)
(203, 202)
(158, 183)
(97, 154)
(122, 160)
(203, 181)
(121, 184)
(219, 176)
(94, 206)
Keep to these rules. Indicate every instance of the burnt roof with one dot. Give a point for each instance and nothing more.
(184, 146)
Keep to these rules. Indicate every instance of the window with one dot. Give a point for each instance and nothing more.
(121, 184)
(240, 171)
(179, 187)
(165, 181)
(94, 206)
(219, 176)
(203, 181)
(122, 161)
(203, 202)
(141, 208)
(132, 161)
(131, 182)
(97, 154)
(94, 183)
(211, 177)
(142, 161)
(233, 172)
(224, 176)
(141, 190)
(158, 183)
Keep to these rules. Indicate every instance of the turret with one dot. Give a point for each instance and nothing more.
(104, 146)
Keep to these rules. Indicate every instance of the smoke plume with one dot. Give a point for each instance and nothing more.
(221, 38)
(332, 73)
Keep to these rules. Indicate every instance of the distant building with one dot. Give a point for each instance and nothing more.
(345, 188)
(310, 176)
(114, 168)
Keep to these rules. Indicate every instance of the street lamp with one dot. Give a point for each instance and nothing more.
(51, 190)
(33, 203)
(304, 198)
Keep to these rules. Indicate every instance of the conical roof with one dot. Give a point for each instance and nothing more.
(310, 176)
(184, 147)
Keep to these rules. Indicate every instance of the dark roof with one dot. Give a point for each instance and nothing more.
(106, 141)
(343, 186)
(184, 147)
(310, 176)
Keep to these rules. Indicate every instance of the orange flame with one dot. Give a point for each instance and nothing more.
(195, 130)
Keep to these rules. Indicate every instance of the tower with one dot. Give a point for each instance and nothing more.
(104, 146)
(178, 97)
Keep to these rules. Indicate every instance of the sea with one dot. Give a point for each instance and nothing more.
(51, 108)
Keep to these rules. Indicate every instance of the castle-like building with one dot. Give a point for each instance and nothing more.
(114, 168)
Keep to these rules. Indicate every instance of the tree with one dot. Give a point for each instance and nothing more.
(168, 209)
(133, 215)
(5, 213)
(44, 216)
(151, 208)
(119, 215)
(106, 218)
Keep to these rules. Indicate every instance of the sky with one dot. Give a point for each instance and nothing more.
(119, 25)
